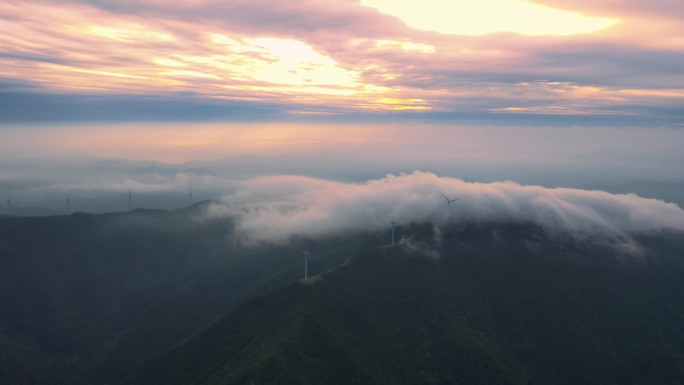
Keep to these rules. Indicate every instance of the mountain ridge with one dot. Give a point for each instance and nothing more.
(494, 314)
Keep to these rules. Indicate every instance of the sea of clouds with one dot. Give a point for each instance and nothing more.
(276, 208)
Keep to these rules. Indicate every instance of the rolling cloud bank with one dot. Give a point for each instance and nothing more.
(277, 208)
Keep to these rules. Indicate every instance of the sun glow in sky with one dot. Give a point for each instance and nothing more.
(489, 16)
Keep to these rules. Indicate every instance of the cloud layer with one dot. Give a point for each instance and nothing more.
(277, 208)
(336, 56)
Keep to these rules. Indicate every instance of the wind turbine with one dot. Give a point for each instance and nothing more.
(450, 201)
(68, 205)
(393, 224)
(190, 193)
(307, 256)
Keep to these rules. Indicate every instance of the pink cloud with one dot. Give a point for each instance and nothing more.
(373, 61)
(275, 209)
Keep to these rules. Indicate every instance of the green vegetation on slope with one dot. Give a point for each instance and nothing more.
(337, 332)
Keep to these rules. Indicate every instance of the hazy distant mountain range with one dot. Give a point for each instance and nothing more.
(41, 187)
(133, 298)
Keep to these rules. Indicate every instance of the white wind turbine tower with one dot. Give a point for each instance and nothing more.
(307, 256)
(393, 224)
(68, 205)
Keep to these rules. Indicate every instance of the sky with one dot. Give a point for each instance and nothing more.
(598, 61)
(551, 92)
